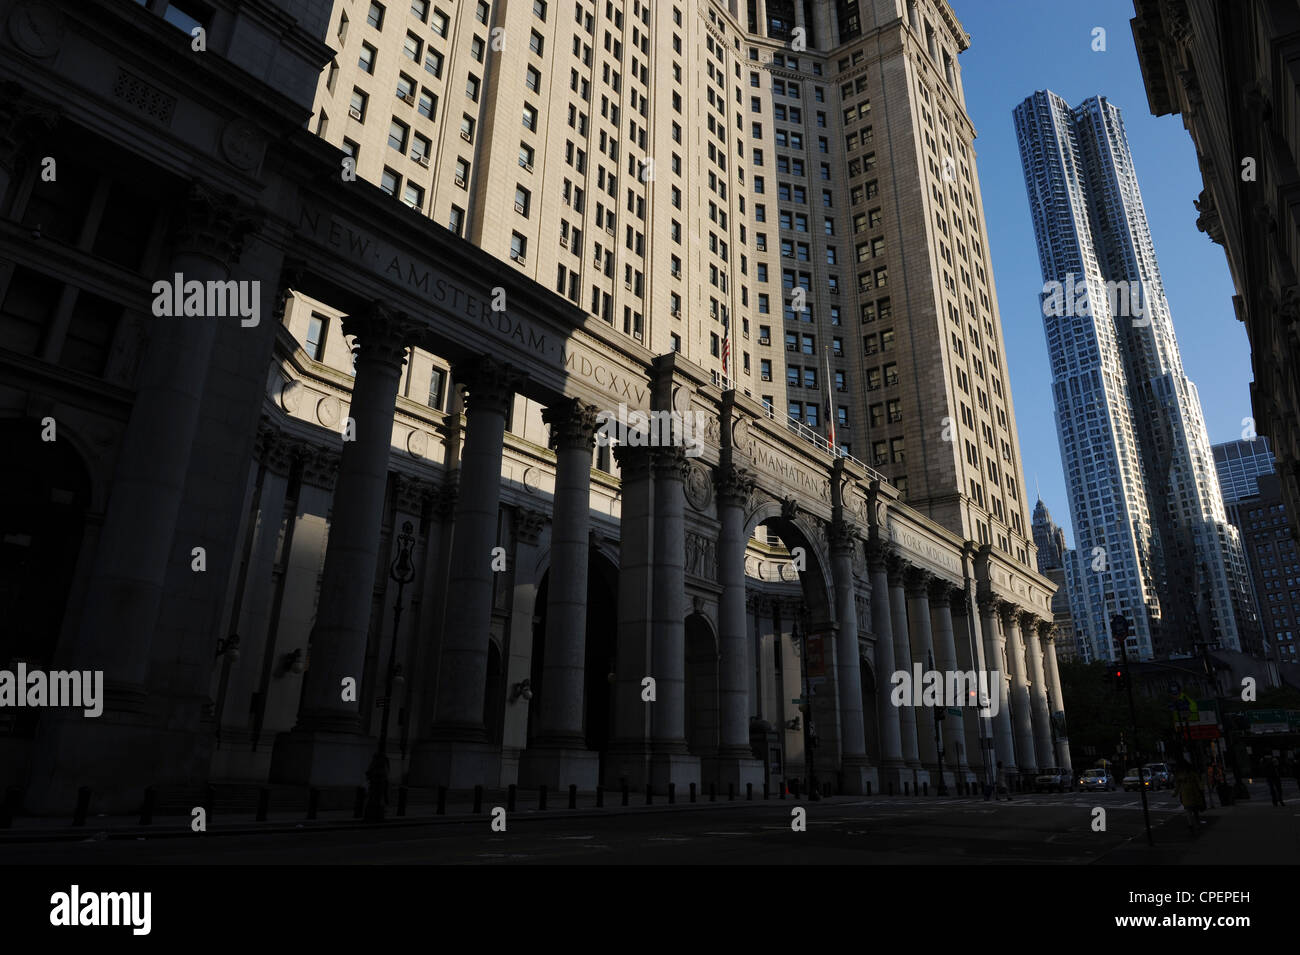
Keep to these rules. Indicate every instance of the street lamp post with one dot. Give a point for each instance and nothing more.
(940, 789)
(402, 572)
(809, 737)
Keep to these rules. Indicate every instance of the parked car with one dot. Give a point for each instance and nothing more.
(1052, 778)
(1097, 780)
(1161, 777)
(1133, 782)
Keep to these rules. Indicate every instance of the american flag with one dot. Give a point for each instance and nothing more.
(726, 345)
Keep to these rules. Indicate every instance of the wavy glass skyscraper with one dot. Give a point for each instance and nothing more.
(1153, 541)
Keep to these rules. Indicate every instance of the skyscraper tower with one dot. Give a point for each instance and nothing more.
(664, 166)
(1153, 541)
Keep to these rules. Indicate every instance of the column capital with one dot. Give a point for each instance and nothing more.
(941, 591)
(487, 384)
(380, 335)
(842, 535)
(528, 525)
(573, 425)
(411, 493)
(733, 483)
(1028, 621)
(878, 553)
(1009, 612)
(668, 463)
(211, 224)
(896, 567)
(960, 600)
(1046, 631)
(319, 467)
(444, 500)
(633, 462)
(917, 581)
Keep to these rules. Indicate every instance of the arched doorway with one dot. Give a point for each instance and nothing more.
(702, 708)
(44, 494)
(870, 719)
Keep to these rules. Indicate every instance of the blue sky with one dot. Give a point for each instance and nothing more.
(1018, 46)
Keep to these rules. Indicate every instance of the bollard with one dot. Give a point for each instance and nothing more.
(766, 790)
(794, 789)
(402, 793)
(692, 792)
(9, 808)
(649, 794)
(672, 794)
(146, 808)
(713, 792)
(512, 792)
(478, 799)
(749, 792)
(263, 803)
(625, 790)
(925, 788)
(83, 806)
(442, 800)
(826, 790)
(573, 796)
(600, 797)
(784, 789)
(868, 787)
(906, 788)
(731, 792)
(313, 802)
(541, 797)
(358, 804)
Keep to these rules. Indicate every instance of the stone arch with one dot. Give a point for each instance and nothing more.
(797, 531)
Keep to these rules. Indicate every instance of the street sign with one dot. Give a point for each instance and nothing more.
(799, 701)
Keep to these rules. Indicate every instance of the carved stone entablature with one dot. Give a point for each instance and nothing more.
(789, 509)
(698, 486)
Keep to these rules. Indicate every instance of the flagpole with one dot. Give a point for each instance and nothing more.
(830, 420)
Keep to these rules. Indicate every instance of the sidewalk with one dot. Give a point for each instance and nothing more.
(1249, 832)
(460, 810)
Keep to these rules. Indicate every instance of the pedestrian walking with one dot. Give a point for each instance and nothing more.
(1187, 784)
(1274, 778)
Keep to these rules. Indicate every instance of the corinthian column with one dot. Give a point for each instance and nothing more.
(919, 626)
(734, 762)
(945, 660)
(856, 768)
(898, 611)
(995, 656)
(459, 753)
(1021, 719)
(891, 741)
(1053, 676)
(559, 756)
(1037, 692)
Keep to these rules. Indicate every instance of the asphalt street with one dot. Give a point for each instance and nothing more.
(1047, 828)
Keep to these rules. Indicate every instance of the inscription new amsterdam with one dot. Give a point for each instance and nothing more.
(439, 289)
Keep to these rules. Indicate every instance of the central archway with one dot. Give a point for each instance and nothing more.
(702, 707)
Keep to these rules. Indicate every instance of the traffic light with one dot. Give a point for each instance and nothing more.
(1118, 678)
